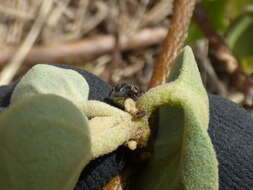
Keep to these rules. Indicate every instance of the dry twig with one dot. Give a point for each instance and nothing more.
(131, 24)
(87, 48)
(218, 47)
(10, 70)
(16, 13)
(213, 82)
(82, 25)
(50, 33)
(222, 54)
(158, 13)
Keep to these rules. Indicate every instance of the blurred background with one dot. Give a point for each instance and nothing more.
(120, 40)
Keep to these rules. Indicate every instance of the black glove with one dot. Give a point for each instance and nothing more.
(231, 132)
(230, 129)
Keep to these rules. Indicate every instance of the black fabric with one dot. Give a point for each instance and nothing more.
(5, 94)
(102, 170)
(230, 128)
(231, 131)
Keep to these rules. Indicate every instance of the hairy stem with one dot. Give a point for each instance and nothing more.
(182, 14)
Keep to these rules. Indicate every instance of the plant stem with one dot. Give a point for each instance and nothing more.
(182, 14)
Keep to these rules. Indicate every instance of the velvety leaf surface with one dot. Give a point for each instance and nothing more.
(98, 89)
(44, 142)
(183, 156)
(48, 79)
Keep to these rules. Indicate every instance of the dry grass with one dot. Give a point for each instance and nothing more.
(24, 26)
(28, 23)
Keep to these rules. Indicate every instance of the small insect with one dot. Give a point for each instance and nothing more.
(126, 91)
(140, 114)
(125, 96)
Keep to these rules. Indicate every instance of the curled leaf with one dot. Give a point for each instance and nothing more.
(183, 156)
(44, 144)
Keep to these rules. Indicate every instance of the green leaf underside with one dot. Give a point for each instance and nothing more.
(45, 144)
(183, 156)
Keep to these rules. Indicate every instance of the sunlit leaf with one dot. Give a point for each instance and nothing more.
(49, 79)
(247, 65)
(235, 8)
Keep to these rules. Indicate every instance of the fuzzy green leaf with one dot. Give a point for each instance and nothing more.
(48, 79)
(44, 144)
(183, 156)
